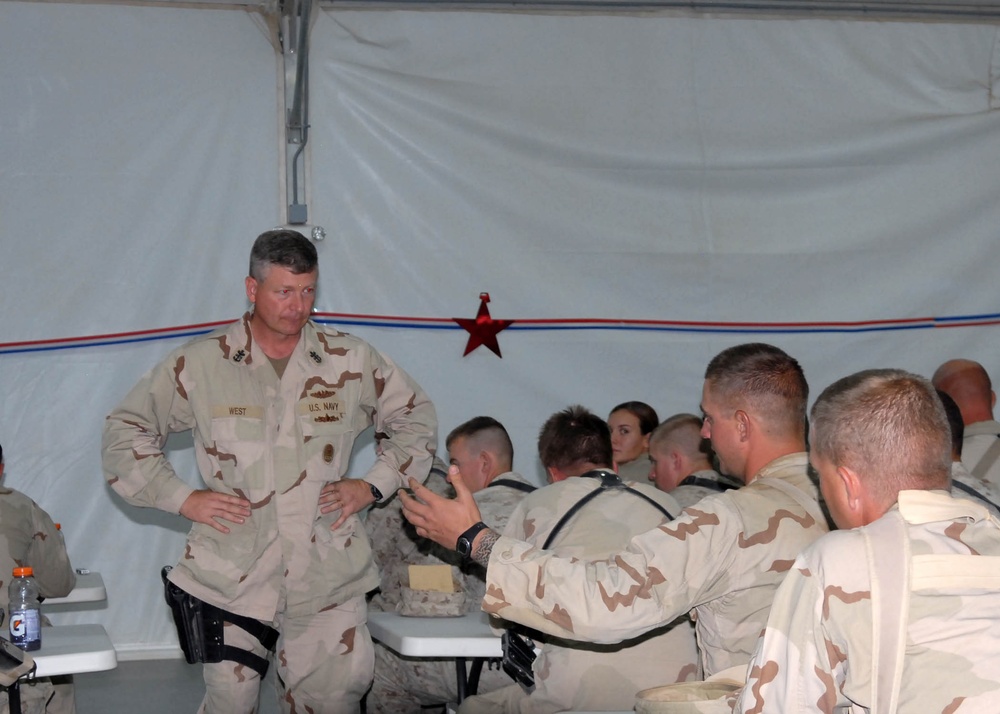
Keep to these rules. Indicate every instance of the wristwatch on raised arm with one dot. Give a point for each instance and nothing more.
(464, 544)
(376, 494)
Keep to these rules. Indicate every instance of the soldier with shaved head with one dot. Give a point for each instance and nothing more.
(723, 557)
(481, 450)
(969, 385)
(681, 461)
(899, 610)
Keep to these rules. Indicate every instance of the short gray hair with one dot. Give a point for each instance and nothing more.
(286, 248)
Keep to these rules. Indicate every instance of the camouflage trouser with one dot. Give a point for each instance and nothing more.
(405, 684)
(323, 664)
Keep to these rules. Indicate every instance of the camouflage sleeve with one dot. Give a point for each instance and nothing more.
(134, 434)
(48, 558)
(405, 427)
(662, 574)
(796, 666)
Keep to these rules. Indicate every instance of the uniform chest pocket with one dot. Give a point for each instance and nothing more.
(237, 424)
(319, 418)
(327, 436)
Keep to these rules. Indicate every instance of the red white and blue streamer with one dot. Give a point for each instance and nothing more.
(347, 320)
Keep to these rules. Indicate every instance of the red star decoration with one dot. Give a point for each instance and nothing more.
(484, 329)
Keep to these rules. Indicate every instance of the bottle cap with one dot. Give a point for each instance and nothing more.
(23, 572)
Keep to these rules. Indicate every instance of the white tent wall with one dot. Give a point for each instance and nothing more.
(138, 150)
(654, 168)
(610, 167)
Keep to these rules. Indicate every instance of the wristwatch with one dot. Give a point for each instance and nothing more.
(376, 494)
(464, 544)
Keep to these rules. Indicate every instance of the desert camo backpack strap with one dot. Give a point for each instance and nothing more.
(987, 460)
(887, 547)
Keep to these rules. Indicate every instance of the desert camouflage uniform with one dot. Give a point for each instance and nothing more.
(395, 543)
(583, 676)
(404, 684)
(986, 493)
(702, 483)
(723, 557)
(29, 538)
(636, 470)
(276, 442)
(815, 655)
(979, 437)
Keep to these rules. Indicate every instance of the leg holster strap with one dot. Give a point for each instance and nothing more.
(200, 629)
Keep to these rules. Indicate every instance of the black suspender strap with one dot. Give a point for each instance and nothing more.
(609, 481)
(974, 493)
(707, 483)
(511, 483)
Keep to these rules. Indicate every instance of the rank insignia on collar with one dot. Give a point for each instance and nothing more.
(316, 358)
(240, 354)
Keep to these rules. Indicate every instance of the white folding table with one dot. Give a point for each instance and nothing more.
(89, 588)
(69, 649)
(465, 637)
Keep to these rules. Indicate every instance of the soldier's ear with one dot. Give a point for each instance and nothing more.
(251, 286)
(486, 463)
(855, 500)
(742, 424)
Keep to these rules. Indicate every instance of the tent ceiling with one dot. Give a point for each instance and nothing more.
(944, 10)
(971, 10)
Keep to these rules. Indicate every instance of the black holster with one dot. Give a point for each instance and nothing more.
(518, 656)
(200, 629)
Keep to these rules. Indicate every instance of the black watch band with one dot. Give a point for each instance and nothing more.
(464, 544)
(376, 494)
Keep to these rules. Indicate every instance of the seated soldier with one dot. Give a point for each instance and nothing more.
(631, 423)
(681, 461)
(901, 613)
(968, 383)
(964, 484)
(481, 449)
(588, 512)
(29, 538)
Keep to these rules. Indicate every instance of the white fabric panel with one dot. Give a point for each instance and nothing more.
(572, 166)
(139, 151)
(657, 168)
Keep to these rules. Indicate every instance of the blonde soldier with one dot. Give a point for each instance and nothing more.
(481, 449)
(275, 403)
(681, 461)
(29, 538)
(901, 613)
(723, 557)
(586, 512)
